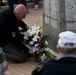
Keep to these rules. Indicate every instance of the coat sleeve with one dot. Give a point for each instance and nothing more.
(34, 72)
(18, 42)
(23, 25)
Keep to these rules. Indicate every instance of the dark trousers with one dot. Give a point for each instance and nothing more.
(15, 1)
(24, 2)
(36, 2)
(14, 54)
(11, 3)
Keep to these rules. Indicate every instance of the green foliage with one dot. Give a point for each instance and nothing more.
(44, 39)
(41, 30)
(22, 33)
(27, 27)
(49, 54)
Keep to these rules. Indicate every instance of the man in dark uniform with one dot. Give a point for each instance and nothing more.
(10, 21)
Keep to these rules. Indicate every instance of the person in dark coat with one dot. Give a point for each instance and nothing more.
(36, 4)
(12, 2)
(10, 41)
(66, 61)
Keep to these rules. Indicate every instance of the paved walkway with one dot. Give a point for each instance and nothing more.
(34, 17)
(26, 68)
(21, 69)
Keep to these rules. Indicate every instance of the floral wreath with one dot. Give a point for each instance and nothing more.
(37, 43)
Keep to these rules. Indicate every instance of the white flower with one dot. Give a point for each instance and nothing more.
(35, 38)
(43, 57)
(29, 30)
(35, 29)
(36, 44)
(26, 35)
(31, 42)
(31, 33)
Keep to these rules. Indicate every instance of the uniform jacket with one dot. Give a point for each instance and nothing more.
(9, 28)
(63, 66)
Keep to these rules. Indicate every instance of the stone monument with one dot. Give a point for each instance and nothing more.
(58, 16)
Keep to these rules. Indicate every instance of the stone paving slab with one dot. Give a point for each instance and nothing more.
(21, 69)
(34, 16)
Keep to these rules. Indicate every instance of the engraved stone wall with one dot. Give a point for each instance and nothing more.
(70, 6)
(58, 16)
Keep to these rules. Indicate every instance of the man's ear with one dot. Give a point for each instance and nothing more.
(58, 49)
(75, 52)
(17, 12)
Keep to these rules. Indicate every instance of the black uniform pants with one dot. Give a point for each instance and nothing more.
(14, 54)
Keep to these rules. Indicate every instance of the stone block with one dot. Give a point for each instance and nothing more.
(58, 16)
